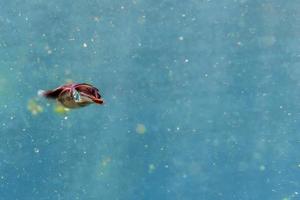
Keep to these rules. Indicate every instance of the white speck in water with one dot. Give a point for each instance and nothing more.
(36, 150)
(262, 168)
(178, 128)
(66, 117)
(239, 43)
(84, 45)
(186, 60)
(180, 38)
(12, 117)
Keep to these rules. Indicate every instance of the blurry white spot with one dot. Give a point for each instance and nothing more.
(177, 128)
(12, 117)
(206, 75)
(180, 38)
(36, 150)
(84, 45)
(40, 92)
(262, 168)
(66, 117)
(239, 43)
(186, 60)
(166, 166)
(151, 168)
(183, 15)
(122, 7)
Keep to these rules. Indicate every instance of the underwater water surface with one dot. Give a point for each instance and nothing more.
(201, 100)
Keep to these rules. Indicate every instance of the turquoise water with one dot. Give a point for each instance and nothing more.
(202, 100)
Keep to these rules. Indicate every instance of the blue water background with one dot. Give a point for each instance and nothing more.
(202, 100)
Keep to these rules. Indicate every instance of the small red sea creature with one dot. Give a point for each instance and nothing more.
(74, 95)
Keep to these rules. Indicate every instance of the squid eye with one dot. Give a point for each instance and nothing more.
(76, 96)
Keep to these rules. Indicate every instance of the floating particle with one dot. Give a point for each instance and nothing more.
(36, 150)
(180, 38)
(262, 168)
(34, 107)
(140, 129)
(84, 45)
(97, 19)
(105, 161)
(151, 168)
(59, 109)
(142, 19)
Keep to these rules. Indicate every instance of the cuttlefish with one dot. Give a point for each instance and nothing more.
(74, 95)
